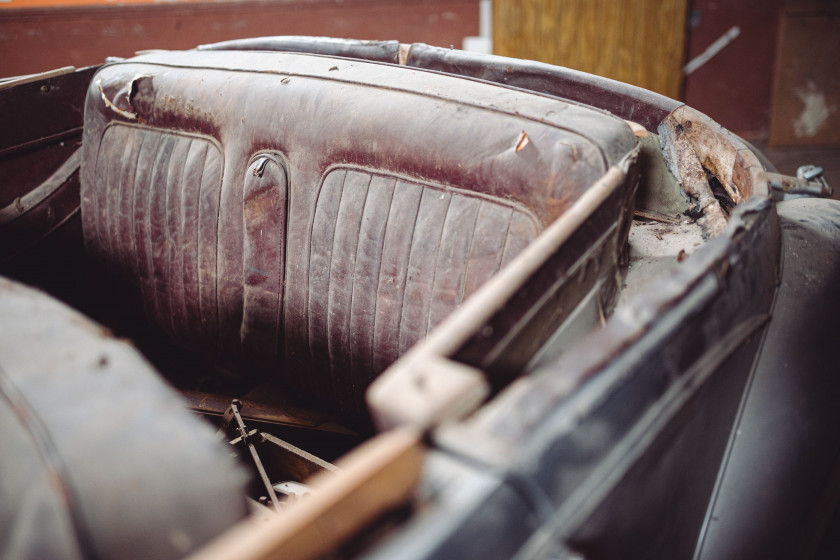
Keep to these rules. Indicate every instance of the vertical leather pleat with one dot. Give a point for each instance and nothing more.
(390, 259)
(208, 241)
(320, 263)
(190, 301)
(369, 259)
(393, 271)
(156, 196)
(420, 278)
(264, 197)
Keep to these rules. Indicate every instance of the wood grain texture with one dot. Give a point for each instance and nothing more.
(641, 42)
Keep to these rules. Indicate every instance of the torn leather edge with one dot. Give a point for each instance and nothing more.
(111, 105)
(682, 161)
(693, 143)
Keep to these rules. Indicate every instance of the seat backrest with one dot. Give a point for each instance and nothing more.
(315, 216)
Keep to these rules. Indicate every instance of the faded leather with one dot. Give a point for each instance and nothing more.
(388, 196)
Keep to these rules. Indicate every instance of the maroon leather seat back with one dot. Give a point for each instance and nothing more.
(389, 258)
(315, 216)
(153, 211)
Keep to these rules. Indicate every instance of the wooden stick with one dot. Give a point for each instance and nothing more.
(374, 478)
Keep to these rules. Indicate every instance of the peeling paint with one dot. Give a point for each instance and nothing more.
(815, 111)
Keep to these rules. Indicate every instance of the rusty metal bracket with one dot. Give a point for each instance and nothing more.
(248, 437)
(809, 182)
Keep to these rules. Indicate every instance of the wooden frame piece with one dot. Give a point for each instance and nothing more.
(372, 479)
(398, 398)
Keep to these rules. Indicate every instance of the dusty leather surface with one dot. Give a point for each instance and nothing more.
(623, 100)
(158, 203)
(411, 172)
(100, 458)
(379, 51)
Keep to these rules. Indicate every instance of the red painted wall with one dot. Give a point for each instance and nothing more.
(38, 39)
(735, 87)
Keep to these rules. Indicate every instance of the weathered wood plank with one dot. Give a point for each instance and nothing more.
(641, 42)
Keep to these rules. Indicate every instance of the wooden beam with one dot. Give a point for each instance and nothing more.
(373, 479)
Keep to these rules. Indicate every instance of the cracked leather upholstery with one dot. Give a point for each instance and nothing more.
(390, 258)
(157, 195)
(312, 216)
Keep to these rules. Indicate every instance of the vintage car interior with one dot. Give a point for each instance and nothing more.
(432, 304)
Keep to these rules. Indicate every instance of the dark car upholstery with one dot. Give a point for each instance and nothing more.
(312, 216)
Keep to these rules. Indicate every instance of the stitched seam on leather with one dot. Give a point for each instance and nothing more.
(408, 262)
(448, 99)
(89, 216)
(112, 207)
(175, 246)
(505, 244)
(463, 286)
(165, 307)
(209, 310)
(193, 318)
(218, 197)
(436, 266)
(329, 269)
(351, 349)
(507, 240)
(129, 176)
(102, 237)
(379, 277)
(151, 297)
(140, 225)
(132, 248)
(308, 284)
(104, 222)
(346, 351)
(425, 183)
(164, 300)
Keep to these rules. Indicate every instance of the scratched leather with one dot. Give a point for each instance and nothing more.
(156, 200)
(405, 191)
(389, 258)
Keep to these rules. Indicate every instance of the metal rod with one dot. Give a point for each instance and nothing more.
(245, 436)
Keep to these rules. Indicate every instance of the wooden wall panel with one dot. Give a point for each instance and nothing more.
(641, 42)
